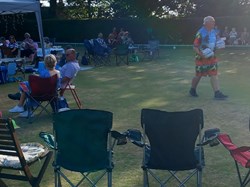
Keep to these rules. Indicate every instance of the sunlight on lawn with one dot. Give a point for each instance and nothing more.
(153, 103)
(161, 84)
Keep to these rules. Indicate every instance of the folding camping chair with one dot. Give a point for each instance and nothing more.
(41, 90)
(169, 142)
(83, 144)
(152, 50)
(72, 88)
(89, 51)
(95, 53)
(101, 54)
(121, 54)
(19, 157)
(13, 69)
(241, 155)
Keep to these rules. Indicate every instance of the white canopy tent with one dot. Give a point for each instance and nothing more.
(24, 6)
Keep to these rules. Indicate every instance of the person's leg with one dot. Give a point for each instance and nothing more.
(215, 82)
(15, 96)
(216, 88)
(22, 99)
(195, 82)
(19, 107)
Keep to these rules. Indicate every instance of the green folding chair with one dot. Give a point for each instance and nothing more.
(83, 144)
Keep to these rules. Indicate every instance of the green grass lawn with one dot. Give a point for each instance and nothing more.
(160, 84)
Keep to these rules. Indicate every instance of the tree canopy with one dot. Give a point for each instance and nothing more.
(80, 9)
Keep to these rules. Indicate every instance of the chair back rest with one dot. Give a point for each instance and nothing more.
(81, 136)
(11, 68)
(121, 49)
(98, 49)
(153, 44)
(43, 89)
(9, 144)
(172, 137)
(67, 85)
(88, 47)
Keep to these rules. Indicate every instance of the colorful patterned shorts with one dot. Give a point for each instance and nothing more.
(206, 67)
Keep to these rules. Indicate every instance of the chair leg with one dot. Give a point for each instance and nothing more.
(145, 178)
(44, 167)
(58, 182)
(245, 181)
(116, 60)
(109, 178)
(199, 178)
(77, 100)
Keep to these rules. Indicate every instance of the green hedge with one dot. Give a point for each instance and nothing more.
(168, 31)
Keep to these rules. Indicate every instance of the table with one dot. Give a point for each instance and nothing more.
(8, 60)
(53, 50)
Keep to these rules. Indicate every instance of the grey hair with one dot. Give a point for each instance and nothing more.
(208, 19)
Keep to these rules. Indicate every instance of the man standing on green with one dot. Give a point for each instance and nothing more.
(206, 63)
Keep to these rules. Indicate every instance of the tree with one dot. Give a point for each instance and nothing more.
(79, 9)
(149, 8)
(222, 8)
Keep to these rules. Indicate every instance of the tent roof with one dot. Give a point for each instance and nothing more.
(19, 6)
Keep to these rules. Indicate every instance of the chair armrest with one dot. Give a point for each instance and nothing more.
(135, 136)
(121, 138)
(210, 137)
(241, 149)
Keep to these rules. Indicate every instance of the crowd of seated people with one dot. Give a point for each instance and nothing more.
(233, 37)
(9, 48)
(102, 48)
(66, 74)
(123, 37)
(112, 38)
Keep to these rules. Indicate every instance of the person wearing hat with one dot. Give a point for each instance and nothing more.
(206, 63)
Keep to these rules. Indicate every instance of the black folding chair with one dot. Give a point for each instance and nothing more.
(121, 52)
(169, 141)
